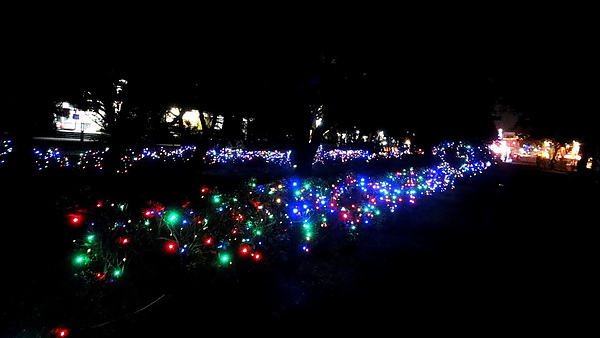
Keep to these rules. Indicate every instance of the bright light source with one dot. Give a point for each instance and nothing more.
(318, 122)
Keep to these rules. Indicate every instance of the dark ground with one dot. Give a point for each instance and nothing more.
(510, 252)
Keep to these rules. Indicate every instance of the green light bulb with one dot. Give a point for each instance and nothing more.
(172, 217)
(225, 258)
(80, 259)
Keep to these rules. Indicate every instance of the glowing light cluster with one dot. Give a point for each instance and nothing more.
(232, 155)
(179, 154)
(348, 155)
(5, 149)
(91, 159)
(341, 155)
(95, 159)
(50, 158)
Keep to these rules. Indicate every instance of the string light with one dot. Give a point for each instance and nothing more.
(61, 332)
(53, 158)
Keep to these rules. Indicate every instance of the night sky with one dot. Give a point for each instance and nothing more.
(424, 65)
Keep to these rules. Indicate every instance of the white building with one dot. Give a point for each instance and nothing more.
(72, 119)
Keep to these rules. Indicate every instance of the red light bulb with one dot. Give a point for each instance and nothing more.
(170, 247)
(245, 250)
(123, 240)
(75, 220)
(61, 332)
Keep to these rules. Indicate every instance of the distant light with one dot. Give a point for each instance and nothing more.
(318, 122)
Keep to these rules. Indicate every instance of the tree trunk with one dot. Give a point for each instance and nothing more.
(203, 142)
(303, 156)
(304, 153)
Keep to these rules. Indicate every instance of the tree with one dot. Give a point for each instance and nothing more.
(206, 138)
(316, 92)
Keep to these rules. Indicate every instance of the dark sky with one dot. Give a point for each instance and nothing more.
(420, 62)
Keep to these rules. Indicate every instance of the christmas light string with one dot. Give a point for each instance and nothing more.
(5, 149)
(236, 156)
(50, 158)
(342, 155)
(53, 158)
